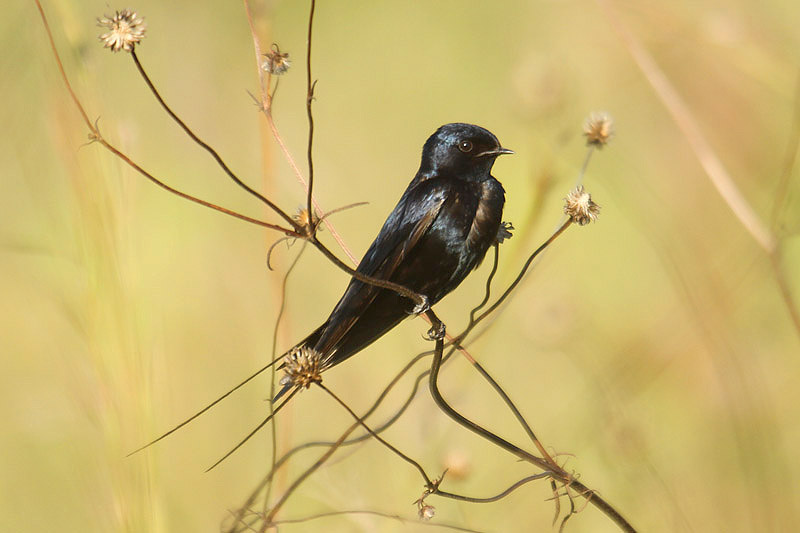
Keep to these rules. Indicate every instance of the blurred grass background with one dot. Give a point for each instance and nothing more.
(653, 346)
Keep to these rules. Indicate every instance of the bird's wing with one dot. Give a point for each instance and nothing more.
(406, 225)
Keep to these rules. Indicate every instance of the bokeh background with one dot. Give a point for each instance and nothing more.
(653, 349)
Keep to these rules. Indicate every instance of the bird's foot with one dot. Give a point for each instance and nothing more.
(504, 232)
(437, 332)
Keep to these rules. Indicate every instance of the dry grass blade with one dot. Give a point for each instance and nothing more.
(680, 113)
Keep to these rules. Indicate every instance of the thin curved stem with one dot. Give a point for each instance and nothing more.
(205, 145)
(460, 338)
(415, 522)
(309, 98)
(496, 497)
(96, 136)
(269, 517)
(278, 318)
(558, 474)
(377, 437)
(488, 287)
(401, 290)
(458, 417)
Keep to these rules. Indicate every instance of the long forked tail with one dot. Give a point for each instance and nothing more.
(284, 389)
(207, 407)
(249, 435)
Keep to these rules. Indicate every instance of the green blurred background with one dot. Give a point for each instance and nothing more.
(652, 348)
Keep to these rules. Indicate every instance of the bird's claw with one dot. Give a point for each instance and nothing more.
(436, 333)
(504, 232)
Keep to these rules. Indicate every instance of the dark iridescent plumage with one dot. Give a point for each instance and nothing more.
(439, 232)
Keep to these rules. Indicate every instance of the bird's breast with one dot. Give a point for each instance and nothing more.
(487, 216)
(465, 228)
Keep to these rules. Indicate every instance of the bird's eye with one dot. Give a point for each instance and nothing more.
(465, 146)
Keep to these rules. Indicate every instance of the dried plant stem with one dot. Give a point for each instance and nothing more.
(285, 457)
(205, 145)
(558, 474)
(278, 320)
(496, 497)
(783, 287)
(458, 340)
(270, 516)
(265, 105)
(789, 160)
(680, 113)
(458, 417)
(96, 136)
(264, 83)
(708, 159)
(517, 414)
(385, 284)
(309, 98)
(415, 521)
(589, 151)
(374, 435)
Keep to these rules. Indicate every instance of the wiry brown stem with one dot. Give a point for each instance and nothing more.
(205, 145)
(460, 338)
(377, 437)
(416, 523)
(496, 497)
(309, 97)
(274, 356)
(558, 473)
(270, 516)
(268, 478)
(385, 284)
(96, 136)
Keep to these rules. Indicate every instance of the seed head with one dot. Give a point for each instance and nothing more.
(580, 207)
(303, 367)
(276, 62)
(426, 512)
(308, 224)
(598, 129)
(126, 28)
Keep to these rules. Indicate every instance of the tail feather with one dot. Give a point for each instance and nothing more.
(284, 389)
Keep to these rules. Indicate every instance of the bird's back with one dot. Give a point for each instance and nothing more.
(453, 244)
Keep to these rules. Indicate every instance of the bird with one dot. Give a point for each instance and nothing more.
(439, 231)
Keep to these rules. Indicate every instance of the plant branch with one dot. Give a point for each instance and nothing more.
(558, 474)
(205, 145)
(702, 149)
(377, 437)
(309, 97)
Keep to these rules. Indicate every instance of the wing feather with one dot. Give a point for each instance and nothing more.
(404, 228)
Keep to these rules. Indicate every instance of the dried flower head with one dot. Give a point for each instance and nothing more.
(276, 63)
(303, 367)
(426, 512)
(308, 224)
(598, 129)
(580, 207)
(126, 28)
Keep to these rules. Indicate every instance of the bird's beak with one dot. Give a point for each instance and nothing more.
(497, 151)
